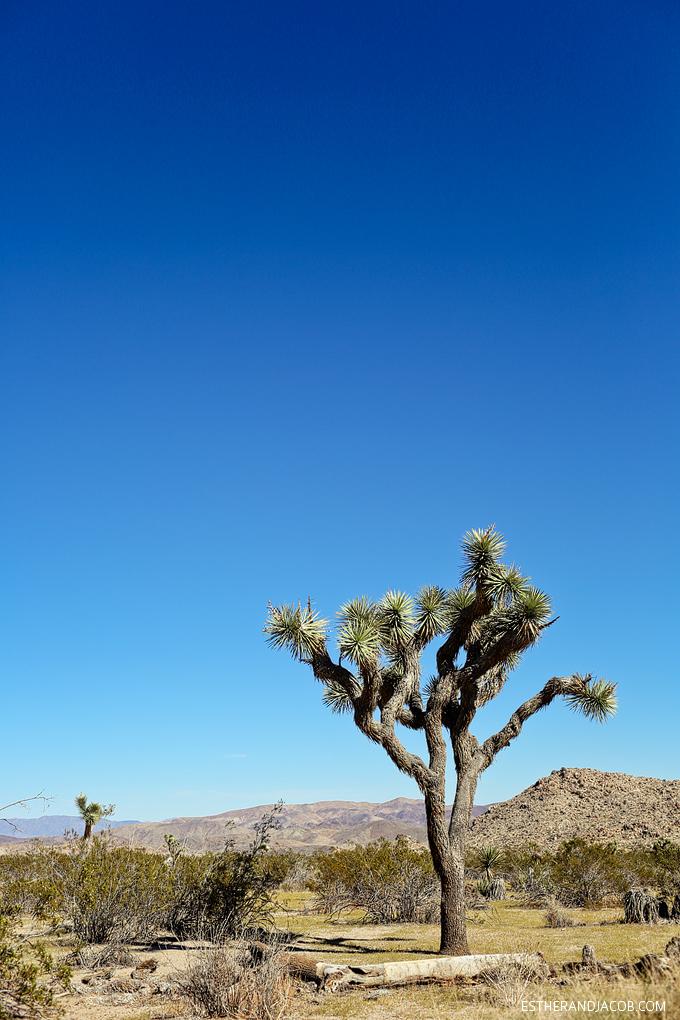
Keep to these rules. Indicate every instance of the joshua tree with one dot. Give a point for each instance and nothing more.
(92, 813)
(488, 622)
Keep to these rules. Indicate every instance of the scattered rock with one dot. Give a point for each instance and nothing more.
(673, 948)
(149, 965)
(165, 987)
(588, 960)
(651, 964)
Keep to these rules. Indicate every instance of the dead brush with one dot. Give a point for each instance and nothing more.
(94, 957)
(556, 917)
(509, 982)
(224, 981)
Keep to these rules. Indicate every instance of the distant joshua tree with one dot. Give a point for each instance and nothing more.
(92, 813)
(486, 624)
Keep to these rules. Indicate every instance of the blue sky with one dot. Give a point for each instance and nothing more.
(294, 294)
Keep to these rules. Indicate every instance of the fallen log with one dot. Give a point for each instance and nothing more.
(333, 977)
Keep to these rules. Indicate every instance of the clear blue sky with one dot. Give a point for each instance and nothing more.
(294, 294)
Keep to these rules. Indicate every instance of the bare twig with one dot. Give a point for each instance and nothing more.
(23, 804)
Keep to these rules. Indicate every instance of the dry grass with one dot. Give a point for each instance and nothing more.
(500, 1002)
(495, 931)
(223, 982)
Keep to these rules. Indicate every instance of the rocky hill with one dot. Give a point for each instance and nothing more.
(605, 807)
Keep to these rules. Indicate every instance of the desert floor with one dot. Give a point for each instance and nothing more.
(508, 927)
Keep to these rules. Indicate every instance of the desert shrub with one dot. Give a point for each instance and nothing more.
(664, 862)
(225, 981)
(109, 893)
(473, 898)
(483, 885)
(390, 882)
(509, 982)
(94, 957)
(583, 873)
(26, 886)
(220, 894)
(529, 874)
(27, 974)
(298, 870)
(119, 895)
(592, 874)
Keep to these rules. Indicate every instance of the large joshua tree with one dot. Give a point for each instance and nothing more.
(486, 624)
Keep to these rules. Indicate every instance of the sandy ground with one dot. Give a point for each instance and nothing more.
(134, 990)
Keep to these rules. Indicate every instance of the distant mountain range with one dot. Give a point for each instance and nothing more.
(51, 825)
(303, 826)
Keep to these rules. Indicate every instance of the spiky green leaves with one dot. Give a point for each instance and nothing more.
(482, 551)
(459, 600)
(93, 812)
(336, 697)
(490, 858)
(433, 612)
(297, 628)
(530, 612)
(367, 629)
(593, 698)
(359, 631)
(396, 619)
(506, 584)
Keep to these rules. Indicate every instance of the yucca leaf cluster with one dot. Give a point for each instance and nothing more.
(594, 698)
(297, 628)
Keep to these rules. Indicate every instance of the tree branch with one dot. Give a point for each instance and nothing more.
(492, 684)
(556, 686)
(411, 764)
(404, 685)
(325, 669)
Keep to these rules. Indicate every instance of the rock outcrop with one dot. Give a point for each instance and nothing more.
(604, 807)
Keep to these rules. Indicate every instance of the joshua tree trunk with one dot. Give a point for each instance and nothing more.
(88, 830)
(453, 930)
(450, 871)
(447, 846)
